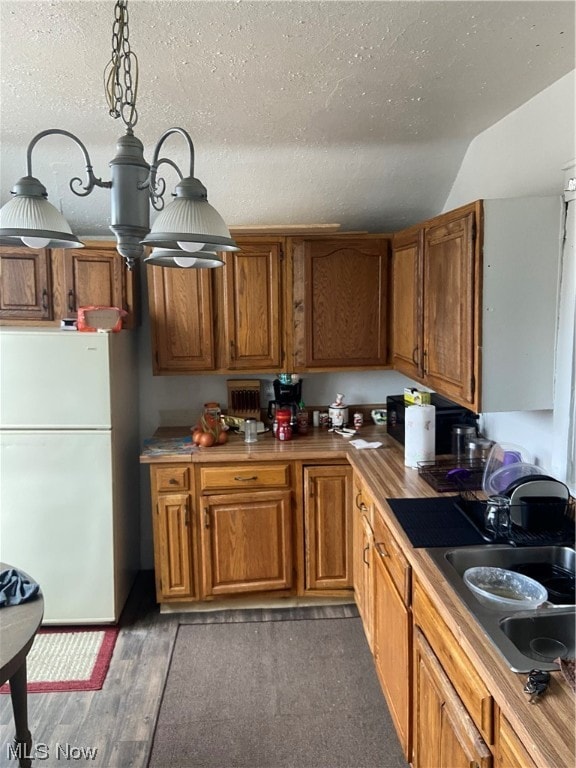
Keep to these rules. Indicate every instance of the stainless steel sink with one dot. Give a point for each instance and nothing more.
(508, 557)
(525, 639)
(545, 636)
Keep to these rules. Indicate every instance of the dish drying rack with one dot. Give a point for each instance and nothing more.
(465, 478)
(473, 508)
(444, 475)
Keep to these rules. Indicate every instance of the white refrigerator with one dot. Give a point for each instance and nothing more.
(69, 470)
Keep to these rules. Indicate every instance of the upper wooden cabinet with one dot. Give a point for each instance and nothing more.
(406, 303)
(25, 284)
(48, 285)
(226, 319)
(340, 302)
(253, 289)
(282, 302)
(475, 303)
(181, 318)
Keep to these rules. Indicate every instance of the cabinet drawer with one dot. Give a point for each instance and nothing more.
(171, 479)
(393, 558)
(218, 478)
(468, 684)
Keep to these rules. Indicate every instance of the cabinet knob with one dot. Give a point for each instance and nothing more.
(70, 301)
(45, 299)
(245, 479)
(173, 481)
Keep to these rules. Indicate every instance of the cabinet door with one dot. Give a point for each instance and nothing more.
(362, 562)
(173, 547)
(510, 752)
(449, 307)
(91, 276)
(392, 648)
(25, 285)
(340, 302)
(247, 542)
(181, 319)
(253, 314)
(327, 521)
(407, 303)
(444, 734)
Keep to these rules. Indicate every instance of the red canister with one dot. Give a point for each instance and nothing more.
(284, 429)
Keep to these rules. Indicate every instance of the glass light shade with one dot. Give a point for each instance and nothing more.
(34, 219)
(173, 257)
(190, 220)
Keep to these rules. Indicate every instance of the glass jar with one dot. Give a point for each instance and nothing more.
(250, 431)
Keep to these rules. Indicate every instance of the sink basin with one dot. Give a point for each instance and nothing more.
(527, 639)
(545, 636)
(511, 557)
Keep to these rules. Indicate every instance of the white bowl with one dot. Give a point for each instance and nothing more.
(500, 588)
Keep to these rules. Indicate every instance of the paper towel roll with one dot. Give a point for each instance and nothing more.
(419, 434)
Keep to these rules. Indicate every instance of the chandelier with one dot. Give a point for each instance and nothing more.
(188, 232)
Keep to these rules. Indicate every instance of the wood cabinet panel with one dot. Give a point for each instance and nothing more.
(172, 537)
(328, 527)
(445, 736)
(181, 308)
(406, 302)
(50, 285)
(244, 476)
(87, 277)
(362, 558)
(448, 311)
(392, 648)
(510, 752)
(247, 542)
(468, 684)
(253, 324)
(25, 284)
(340, 302)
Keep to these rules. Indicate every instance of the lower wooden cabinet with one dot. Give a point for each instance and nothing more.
(328, 527)
(509, 751)
(445, 735)
(267, 527)
(246, 542)
(173, 533)
(363, 538)
(392, 631)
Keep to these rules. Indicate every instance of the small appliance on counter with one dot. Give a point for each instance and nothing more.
(447, 414)
(287, 395)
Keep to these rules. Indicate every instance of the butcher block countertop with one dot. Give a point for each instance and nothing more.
(547, 727)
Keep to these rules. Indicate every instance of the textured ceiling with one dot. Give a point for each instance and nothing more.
(301, 112)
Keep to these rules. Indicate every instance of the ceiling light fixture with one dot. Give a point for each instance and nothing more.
(188, 229)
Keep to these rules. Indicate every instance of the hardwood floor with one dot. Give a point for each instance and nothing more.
(117, 722)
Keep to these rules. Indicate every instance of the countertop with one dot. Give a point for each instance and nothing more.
(547, 727)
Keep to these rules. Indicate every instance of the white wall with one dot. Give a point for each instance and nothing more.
(520, 156)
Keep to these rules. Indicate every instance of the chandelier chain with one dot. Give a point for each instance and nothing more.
(121, 73)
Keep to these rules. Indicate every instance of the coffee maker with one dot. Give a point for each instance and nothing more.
(287, 394)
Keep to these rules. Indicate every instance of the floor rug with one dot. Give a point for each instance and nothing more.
(274, 694)
(69, 659)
